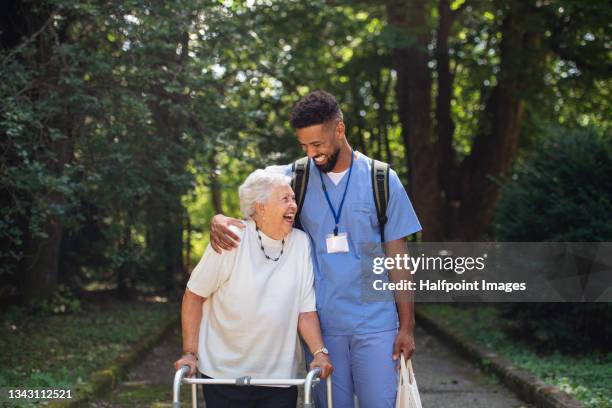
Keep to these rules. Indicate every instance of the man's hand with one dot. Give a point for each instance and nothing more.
(189, 360)
(404, 344)
(221, 237)
(322, 361)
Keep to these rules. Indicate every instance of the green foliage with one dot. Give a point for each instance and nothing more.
(107, 152)
(562, 325)
(116, 118)
(30, 177)
(63, 350)
(62, 302)
(148, 395)
(561, 192)
(586, 377)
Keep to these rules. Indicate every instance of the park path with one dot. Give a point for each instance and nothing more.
(444, 379)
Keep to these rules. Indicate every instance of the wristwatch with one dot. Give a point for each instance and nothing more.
(321, 350)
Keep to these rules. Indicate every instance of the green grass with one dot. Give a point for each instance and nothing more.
(587, 378)
(64, 350)
(149, 395)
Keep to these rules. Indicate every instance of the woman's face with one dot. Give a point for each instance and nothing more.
(278, 213)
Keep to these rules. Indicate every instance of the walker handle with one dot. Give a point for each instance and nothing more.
(176, 385)
(310, 378)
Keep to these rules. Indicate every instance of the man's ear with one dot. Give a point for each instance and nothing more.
(340, 129)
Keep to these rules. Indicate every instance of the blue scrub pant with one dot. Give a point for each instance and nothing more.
(362, 366)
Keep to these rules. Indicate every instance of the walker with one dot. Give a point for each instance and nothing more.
(312, 378)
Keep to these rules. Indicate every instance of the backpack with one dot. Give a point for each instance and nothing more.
(380, 189)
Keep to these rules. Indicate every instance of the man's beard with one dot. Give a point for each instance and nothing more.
(331, 162)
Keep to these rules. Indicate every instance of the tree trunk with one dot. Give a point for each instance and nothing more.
(41, 254)
(445, 127)
(31, 23)
(380, 91)
(173, 246)
(413, 94)
(40, 262)
(456, 201)
(496, 143)
(215, 188)
(165, 226)
(187, 262)
(359, 125)
(384, 120)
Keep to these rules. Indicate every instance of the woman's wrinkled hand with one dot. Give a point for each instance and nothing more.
(188, 360)
(221, 237)
(324, 363)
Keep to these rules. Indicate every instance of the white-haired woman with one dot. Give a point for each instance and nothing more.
(242, 309)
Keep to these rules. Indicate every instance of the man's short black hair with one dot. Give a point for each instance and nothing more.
(316, 108)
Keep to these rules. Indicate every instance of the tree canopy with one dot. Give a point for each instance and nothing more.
(125, 125)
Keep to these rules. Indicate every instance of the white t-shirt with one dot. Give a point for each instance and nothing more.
(336, 177)
(249, 320)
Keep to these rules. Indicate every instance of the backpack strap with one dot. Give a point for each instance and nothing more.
(380, 188)
(299, 182)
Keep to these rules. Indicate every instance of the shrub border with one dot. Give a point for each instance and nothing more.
(103, 381)
(526, 385)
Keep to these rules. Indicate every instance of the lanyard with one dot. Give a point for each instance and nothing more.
(337, 215)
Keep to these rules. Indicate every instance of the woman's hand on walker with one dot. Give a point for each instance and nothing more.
(324, 363)
(221, 237)
(188, 360)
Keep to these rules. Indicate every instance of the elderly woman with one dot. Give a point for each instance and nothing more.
(242, 309)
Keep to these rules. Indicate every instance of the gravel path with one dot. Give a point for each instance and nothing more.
(444, 379)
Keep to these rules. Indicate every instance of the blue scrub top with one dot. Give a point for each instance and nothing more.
(346, 301)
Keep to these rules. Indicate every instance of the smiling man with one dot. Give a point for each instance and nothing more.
(363, 337)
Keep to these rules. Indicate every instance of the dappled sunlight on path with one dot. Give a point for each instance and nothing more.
(444, 380)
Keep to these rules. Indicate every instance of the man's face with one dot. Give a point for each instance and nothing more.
(322, 144)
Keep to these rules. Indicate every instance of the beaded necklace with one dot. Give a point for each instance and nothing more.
(264, 251)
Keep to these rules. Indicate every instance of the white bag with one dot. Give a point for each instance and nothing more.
(407, 391)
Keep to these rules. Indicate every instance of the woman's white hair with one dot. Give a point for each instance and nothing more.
(257, 187)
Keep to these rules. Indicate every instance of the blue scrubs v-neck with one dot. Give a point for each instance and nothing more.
(346, 301)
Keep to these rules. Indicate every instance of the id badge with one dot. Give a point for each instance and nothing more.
(337, 243)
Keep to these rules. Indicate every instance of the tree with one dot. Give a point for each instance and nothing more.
(455, 194)
(117, 119)
(40, 125)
